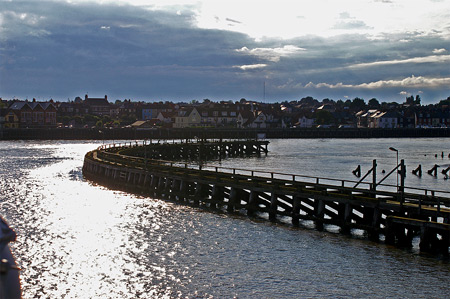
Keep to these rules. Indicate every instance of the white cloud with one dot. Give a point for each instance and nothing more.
(271, 54)
(439, 51)
(409, 82)
(426, 59)
(250, 66)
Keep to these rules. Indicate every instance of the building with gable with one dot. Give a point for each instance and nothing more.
(24, 114)
(98, 106)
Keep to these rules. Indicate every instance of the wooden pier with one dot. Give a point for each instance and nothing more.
(169, 171)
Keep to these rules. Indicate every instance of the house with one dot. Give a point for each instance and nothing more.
(24, 114)
(363, 117)
(187, 117)
(305, 121)
(152, 110)
(97, 106)
(218, 116)
(145, 124)
(327, 107)
(2, 117)
(385, 120)
(259, 122)
(244, 118)
(167, 118)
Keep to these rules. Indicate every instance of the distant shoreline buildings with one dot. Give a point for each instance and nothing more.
(305, 113)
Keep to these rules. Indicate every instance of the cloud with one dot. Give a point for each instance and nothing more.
(351, 25)
(415, 60)
(439, 51)
(64, 49)
(272, 54)
(409, 82)
(250, 66)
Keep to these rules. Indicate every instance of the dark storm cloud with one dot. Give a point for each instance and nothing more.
(63, 50)
(108, 47)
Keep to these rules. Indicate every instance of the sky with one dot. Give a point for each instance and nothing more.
(184, 50)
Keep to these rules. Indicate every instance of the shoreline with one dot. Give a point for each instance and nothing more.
(226, 133)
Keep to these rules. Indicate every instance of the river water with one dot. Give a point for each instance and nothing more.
(80, 240)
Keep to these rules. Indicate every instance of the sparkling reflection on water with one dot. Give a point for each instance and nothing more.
(79, 240)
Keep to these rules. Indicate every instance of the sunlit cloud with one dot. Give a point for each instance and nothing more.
(272, 54)
(439, 51)
(427, 59)
(250, 66)
(411, 82)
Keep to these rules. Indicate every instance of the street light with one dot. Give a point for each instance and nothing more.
(396, 151)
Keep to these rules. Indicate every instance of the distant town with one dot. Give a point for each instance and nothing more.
(305, 113)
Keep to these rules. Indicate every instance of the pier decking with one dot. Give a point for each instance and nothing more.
(164, 170)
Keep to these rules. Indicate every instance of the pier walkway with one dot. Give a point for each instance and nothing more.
(397, 215)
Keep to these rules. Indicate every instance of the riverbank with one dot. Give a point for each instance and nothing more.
(131, 134)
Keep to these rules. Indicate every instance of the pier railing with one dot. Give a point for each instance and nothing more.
(383, 192)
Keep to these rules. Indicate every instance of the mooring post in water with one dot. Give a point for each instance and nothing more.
(418, 171)
(374, 176)
(402, 177)
(433, 171)
(357, 171)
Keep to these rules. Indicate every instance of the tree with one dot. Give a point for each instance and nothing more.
(323, 117)
(417, 101)
(410, 100)
(309, 101)
(373, 103)
(358, 104)
(89, 118)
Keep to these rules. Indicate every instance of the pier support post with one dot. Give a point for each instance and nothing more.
(232, 200)
(273, 207)
(167, 188)
(160, 187)
(374, 232)
(183, 190)
(153, 184)
(252, 203)
(346, 218)
(296, 210)
(319, 209)
(198, 196)
(175, 188)
(216, 196)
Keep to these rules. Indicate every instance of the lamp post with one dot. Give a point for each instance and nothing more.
(396, 151)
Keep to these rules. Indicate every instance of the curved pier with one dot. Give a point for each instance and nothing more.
(382, 211)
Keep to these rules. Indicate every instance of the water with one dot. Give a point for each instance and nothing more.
(80, 240)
